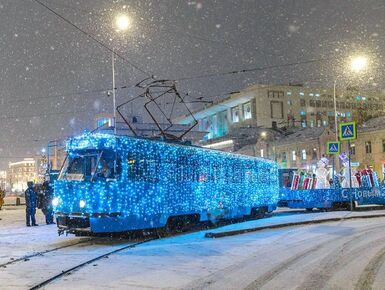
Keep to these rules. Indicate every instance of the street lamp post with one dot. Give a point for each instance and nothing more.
(113, 92)
(122, 23)
(358, 64)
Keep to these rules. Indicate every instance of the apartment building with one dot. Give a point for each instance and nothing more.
(283, 106)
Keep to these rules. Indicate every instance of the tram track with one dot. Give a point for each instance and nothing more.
(41, 253)
(85, 263)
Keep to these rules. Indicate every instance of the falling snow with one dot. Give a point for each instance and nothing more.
(54, 78)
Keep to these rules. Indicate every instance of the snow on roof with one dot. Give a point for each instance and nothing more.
(373, 124)
(302, 134)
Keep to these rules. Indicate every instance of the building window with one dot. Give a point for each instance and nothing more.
(383, 145)
(275, 94)
(368, 147)
(276, 108)
(303, 154)
(261, 152)
(353, 149)
(235, 114)
(311, 123)
(325, 123)
(302, 102)
(103, 122)
(293, 155)
(312, 103)
(247, 111)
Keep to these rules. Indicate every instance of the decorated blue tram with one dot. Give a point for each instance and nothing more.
(112, 183)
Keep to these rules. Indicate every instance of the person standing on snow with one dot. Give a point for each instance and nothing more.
(47, 203)
(31, 203)
(2, 195)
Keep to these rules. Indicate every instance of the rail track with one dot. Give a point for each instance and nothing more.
(41, 253)
(85, 263)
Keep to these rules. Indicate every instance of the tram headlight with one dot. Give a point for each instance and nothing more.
(82, 203)
(55, 201)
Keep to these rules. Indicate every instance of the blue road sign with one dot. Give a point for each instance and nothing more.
(333, 147)
(348, 131)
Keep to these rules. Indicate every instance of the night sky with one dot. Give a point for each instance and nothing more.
(54, 79)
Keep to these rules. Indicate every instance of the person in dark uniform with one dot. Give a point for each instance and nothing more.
(47, 203)
(31, 203)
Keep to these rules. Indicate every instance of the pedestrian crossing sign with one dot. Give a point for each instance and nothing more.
(333, 148)
(348, 131)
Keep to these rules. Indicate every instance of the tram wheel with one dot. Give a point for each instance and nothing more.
(258, 212)
(182, 223)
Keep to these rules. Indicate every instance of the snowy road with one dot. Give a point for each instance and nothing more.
(336, 255)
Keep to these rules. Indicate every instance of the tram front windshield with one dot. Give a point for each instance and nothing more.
(91, 166)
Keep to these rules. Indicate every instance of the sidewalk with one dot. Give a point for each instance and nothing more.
(12, 200)
(285, 218)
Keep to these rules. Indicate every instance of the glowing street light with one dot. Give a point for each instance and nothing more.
(358, 63)
(122, 22)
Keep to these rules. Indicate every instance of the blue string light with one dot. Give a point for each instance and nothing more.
(160, 179)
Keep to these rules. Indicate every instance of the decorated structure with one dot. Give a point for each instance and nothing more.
(118, 183)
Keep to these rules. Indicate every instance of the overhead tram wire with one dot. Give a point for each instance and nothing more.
(210, 75)
(90, 35)
(178, 80)
(43, 115)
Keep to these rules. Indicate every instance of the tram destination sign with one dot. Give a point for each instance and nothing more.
(348, 131)
(333, 147)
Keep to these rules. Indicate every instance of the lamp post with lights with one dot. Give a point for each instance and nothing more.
(357, 65)
(121, 23)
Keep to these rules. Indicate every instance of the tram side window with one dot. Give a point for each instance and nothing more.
(109, 166)
(143, 168)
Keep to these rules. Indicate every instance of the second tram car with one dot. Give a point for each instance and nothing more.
(115, 183)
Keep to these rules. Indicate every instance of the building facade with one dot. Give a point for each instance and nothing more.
(306, 146)
(284, 106)
(3, 179)
(301, 149)
(19, 173)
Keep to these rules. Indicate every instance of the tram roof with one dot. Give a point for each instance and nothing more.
(109, 141)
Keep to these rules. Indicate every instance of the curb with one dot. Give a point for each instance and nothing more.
(285, 225)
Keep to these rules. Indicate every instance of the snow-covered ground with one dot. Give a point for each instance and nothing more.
(337, 255)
